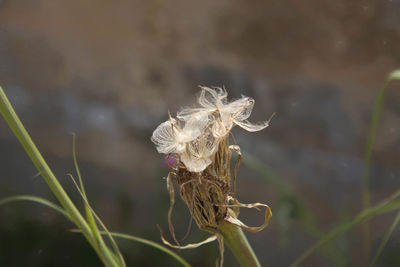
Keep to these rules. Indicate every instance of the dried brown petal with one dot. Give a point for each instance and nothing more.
(234, 220)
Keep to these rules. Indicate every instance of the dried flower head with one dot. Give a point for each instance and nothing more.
(199, 140)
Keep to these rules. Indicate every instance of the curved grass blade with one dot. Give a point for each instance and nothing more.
(103, 246)
(89, 211)
(13, 121)
(146, 242)
(152, 244)
(387, 205)
(37, 200)
(89, 215)
(57, 208)
(385, 239)
(253, 163)
(307, 218)
(394, 75)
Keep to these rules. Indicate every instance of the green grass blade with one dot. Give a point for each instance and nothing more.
(152, 244)
(146, 242)
(385, 206)
(78, 172)
(102, 244)
(13, 121)
(37, 200)
(385, 239)
(89, 215)
(253, 163)
(89, 211)
(394, 75)
(306, 217)
(57, 208)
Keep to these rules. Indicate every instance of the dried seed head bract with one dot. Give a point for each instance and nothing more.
(198, 141)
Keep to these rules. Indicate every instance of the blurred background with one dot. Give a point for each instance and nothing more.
(110, 70)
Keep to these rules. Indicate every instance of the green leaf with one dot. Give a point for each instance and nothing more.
(298, 211)
(57, 208)
(146, 242)
(13, 121)
(385, 206)
(89, 215)
(385, 239)
(37, 200)
(152, 244)
(394, 75)
(117, 256)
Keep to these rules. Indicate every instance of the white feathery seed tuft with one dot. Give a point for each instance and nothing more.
(196, 132)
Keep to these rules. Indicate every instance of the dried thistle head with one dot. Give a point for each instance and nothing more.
(199, 140)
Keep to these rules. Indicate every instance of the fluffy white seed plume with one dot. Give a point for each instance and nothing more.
(200, 151)
(195, 164)
(226, 115)
(199, 143)
(169, 137)
(204, 127)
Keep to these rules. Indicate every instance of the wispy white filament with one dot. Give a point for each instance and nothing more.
(203, 127)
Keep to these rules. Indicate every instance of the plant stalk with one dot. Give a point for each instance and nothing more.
(366, 198)
(237, 242)
(23, 137)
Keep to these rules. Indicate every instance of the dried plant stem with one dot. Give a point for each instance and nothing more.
(237, 242)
